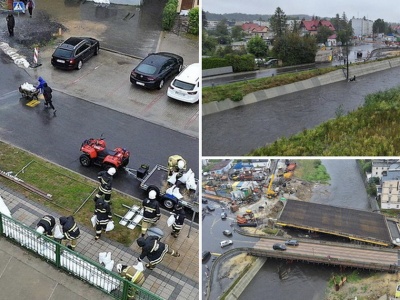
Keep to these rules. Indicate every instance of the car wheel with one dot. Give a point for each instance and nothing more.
(96, 51)
(161, 84)
(85, 160)
(79, 65)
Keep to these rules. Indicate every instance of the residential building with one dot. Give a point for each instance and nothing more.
(361, 27)
(311, 27)
(253, 29)
(390, 195)
(380, 167)
(221, 167)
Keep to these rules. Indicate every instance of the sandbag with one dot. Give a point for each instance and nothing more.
(93, 219)
(110, 226)
(58, 234)
(170, 220)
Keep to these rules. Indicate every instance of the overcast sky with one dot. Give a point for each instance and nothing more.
(388, 10)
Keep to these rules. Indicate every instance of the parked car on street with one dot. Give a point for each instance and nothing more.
(227, 233)
(292, 243)
(153, 71)
(205, 256)
(224, 215)
(186, 85)
(210, 208)
(278, 246)
(72, 53)
(226, 243)
(271, 62)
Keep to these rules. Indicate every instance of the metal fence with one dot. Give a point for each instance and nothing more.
(71, 262)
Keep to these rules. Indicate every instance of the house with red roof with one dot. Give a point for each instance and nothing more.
(311, 27)
(253, 29)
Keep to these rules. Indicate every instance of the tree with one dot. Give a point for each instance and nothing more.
(294, 50)
(194, 21)
(221, 28)
(278, 22)
(222, 33)
(204, 19)
(379, 26)
(209, 44)
(323, 33)
(336, 22)
(257, 46)
(237, 33)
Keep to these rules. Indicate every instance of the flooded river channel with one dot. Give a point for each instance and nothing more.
(238, 131)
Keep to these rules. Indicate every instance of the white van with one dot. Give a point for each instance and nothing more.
(186, 85)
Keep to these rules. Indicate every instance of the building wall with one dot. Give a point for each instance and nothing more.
(390, 198)
(361, 27)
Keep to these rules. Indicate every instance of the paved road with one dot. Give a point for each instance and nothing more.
(58, 138)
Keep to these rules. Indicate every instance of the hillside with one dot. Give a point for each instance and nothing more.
(249, 17)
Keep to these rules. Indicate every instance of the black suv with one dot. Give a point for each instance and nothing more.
(155, 69)
(72, 53)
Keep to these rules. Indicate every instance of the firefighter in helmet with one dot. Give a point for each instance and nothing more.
(151, 210)
(105, 178)
(46, 225)
(133, 274)
(180, 216)
(71, 232)
(154, 250)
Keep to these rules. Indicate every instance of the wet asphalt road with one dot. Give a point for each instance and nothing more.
(58, 139)
(238, 131)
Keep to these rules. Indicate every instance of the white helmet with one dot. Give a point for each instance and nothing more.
(40, 230)
(181, 164)
(111, 171)
(119, 268)
(152, 195)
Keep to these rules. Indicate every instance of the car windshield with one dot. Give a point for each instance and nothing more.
(63, 53)
(184, 85)
(146, 69)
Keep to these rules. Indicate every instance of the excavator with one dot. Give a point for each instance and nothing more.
(270, 192)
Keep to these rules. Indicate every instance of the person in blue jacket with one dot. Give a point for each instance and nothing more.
(40, 86)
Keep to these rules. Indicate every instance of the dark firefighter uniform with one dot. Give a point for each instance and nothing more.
(151, 211)
(103, 216)
(105, 178)
(154, 250)
(71, 231)
(179, 219)
(133, 275)
(47, 223)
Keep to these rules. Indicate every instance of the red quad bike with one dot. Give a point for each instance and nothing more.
(95, 152)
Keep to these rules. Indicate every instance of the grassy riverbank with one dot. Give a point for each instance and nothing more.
(312, 170)
(236, 91)
(68, 190)
(371, 130)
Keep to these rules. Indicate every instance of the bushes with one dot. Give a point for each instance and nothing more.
(241, 63)
(194, 21)
(214, 62)
(169, 14)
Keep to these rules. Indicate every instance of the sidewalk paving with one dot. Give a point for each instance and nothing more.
(174, 278)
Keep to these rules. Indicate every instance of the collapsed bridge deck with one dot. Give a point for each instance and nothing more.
(341, 221)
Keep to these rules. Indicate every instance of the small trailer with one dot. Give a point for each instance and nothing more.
(158, 177)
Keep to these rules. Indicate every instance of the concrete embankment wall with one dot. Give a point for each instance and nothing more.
(332, 77)
(240, 286)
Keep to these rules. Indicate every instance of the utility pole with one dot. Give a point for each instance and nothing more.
(347, 60)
